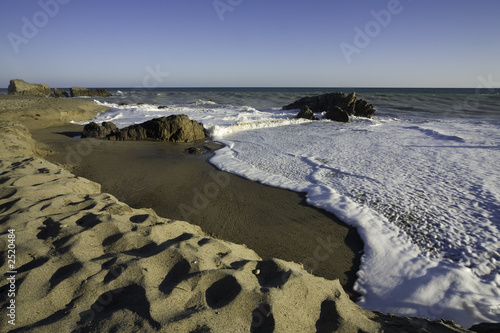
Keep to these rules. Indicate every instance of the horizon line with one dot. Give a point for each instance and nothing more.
(266, 87)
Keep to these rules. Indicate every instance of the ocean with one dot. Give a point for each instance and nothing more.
(420, 181)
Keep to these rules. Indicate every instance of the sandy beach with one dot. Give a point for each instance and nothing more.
(101, 243)
(163, 176)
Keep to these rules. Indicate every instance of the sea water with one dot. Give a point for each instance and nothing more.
(420, 181)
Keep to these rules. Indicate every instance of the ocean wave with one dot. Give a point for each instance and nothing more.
(204, 102)
(219, 132)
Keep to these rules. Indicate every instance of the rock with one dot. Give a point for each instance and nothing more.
(306, 113)
(364, 109)
(197, 150)
(95, 131)
(175, 128)
(60, 93)
(339, 106)
(486, 328)
(395, 324)
(84, 92)
(350, 104)
(337, 114)
(21, 87)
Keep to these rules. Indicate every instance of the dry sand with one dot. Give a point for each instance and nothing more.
(87, 262)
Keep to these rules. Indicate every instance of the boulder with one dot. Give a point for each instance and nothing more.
(21, 87)
(175, 128)
(60, 93)
(338, 114)
(95, 131)
(364, 109)
(338, 106)
(84, 92)
(349, 104)
(306, 113)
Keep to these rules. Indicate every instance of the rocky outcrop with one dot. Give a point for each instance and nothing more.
(21, 87)
(84, 92)
(486, 328)
(175, 128)
(306, 113)
(364, 109)
(338, 106)
(338, 114)
(60, 93)
(95, 131)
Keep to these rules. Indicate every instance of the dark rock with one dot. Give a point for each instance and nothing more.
(306, 113)
(60, 93)
(196, 150)
(162, 107)
(84, 92)
(395, 324)
(105, 131)
(311, 102)
(486, 328)
(21, 87)
(123, 104)
(337, 105)
(364, 109)
(337, 114)
(350, 104)
(175, 128)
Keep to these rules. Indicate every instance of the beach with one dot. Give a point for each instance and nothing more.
(273, 222)
(101, 247)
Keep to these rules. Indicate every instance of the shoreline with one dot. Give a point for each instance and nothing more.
(85, 261)
(275, 223)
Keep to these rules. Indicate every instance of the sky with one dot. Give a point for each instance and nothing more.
(250, 43)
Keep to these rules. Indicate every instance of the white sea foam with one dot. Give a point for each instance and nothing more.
(203, 102)
(424, 196)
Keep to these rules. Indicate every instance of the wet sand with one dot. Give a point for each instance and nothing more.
(162, 176)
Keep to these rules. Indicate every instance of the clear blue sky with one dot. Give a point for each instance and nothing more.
(108, 43)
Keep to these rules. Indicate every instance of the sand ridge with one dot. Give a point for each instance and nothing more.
(38, 112)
